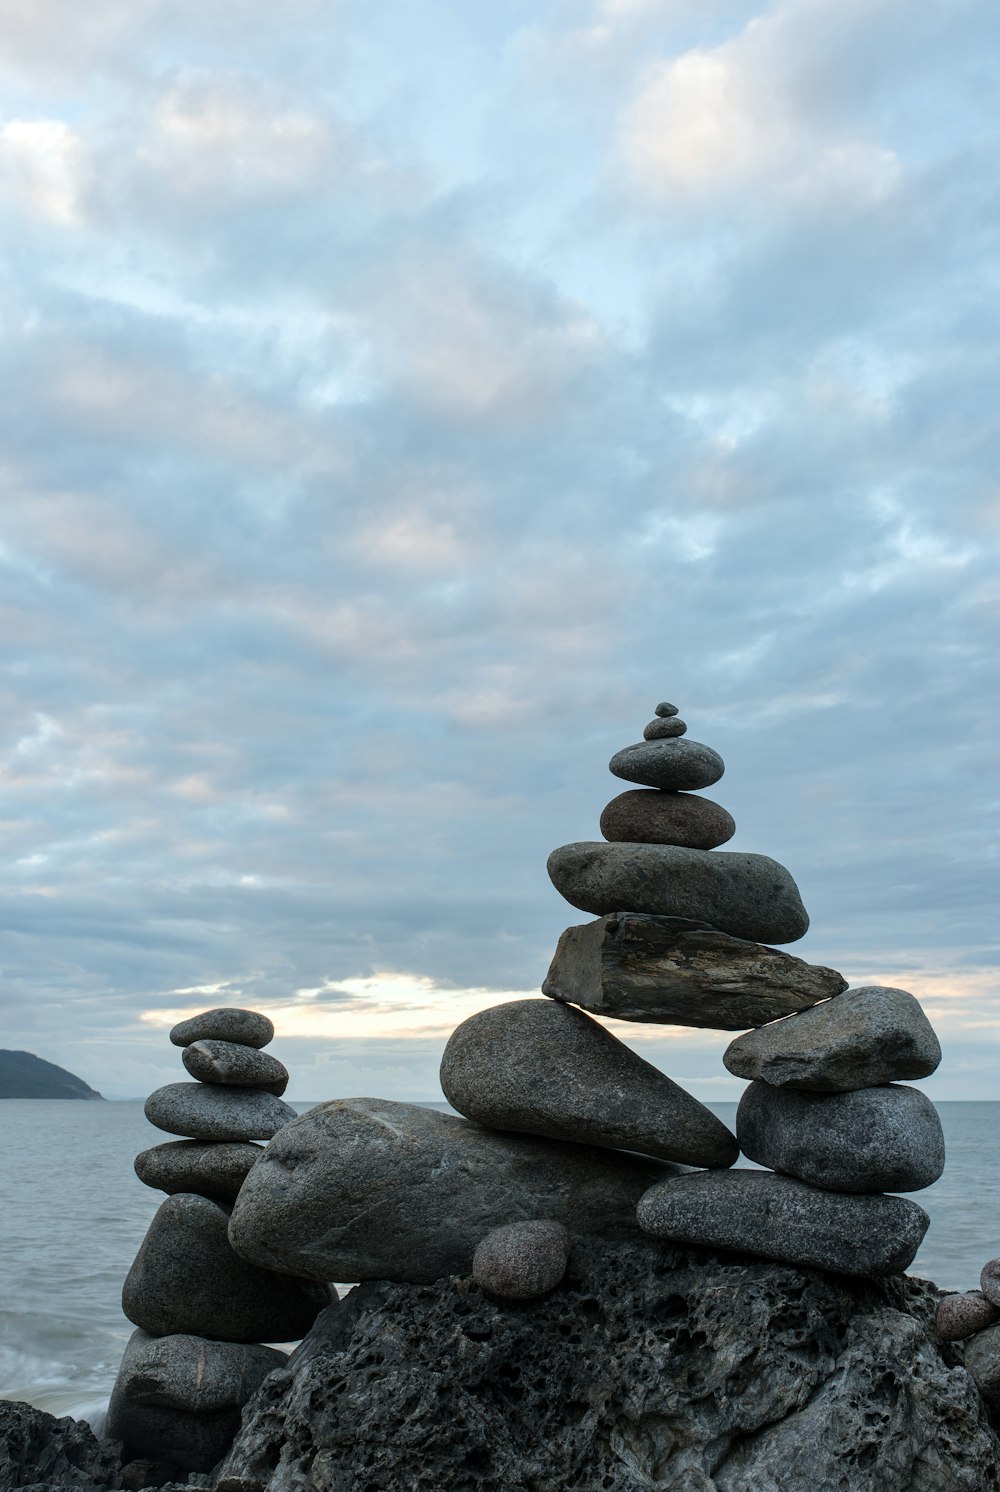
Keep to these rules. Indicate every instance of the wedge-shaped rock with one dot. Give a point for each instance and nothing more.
(186, 1278)
(234, 1065)
(747, 896)
(668, 970)
(862, 1038)
(885, 1139)
(757, 1212)
(366, 1189)
(548, 1069)
(673, 765)
(205, 1112)
(227, 1023)
(216, 1171)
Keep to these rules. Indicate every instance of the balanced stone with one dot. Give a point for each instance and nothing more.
(186, 1278)
(747, 896)
(522, 1261)
(543, 1068)
(209, 1113)
(664, 711)
(647, 816)
(863, 1038)
(248, 1027)
(885, 1139)
(662, 730)
(676, 765)
(757, 1212)
(989, 1281)
(962, 1315)
(679, 973)
(366, 1189)
(231, 1063)
(216, 1171)
(982, 1360)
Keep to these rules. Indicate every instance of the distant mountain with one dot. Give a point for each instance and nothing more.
(25, 1076)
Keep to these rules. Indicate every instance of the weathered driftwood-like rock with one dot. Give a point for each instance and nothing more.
(681, 973)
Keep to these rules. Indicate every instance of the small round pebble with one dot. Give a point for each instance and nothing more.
(228, 1023)
(960, 1316)
(664, 711)
(660, 730)
(989, 1281)
(521, 1261)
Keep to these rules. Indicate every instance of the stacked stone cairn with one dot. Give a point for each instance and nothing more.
(201, 1312)
(973, 1317)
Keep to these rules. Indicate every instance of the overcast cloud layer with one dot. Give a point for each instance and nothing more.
(398, 401)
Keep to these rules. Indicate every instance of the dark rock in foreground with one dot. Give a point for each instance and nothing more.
(36, 1448)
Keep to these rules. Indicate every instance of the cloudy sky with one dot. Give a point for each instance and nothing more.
(398, 401)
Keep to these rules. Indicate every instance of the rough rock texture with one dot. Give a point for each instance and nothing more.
(234, 1063)
(961, 1315)
(661, 729)
(646, 816)
(521, 1261)
(362, 1188)
(865, 1037)
(675, 765)
(648, 1370)
(206, 1113)
(680, 973)
(664, 710)
(248, 1027)
(885, 1139)
(989, 1280)
(36, 1448)
(982, 1358)
(543, 1068)
(216, 1171)
(186, 1278)
(747, 896)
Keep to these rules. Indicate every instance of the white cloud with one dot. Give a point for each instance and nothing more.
(45, 168)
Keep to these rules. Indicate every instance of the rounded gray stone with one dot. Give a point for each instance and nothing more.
(747, 896)
(989, 1281)
(885, 1139)
(215, 1171)
(186, 1278)
(758, 1212)
(542, 1068)
(522, 1261)
(648, 816)
(982, 1361)
(229, 1063)
(675, 765)
(366, 1189)
(859, 1039)
(227, 1023)
(664, 710)
(664, 729)
(962, 1315)
(204, 1112)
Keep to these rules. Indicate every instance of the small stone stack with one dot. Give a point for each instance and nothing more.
(200, 1310)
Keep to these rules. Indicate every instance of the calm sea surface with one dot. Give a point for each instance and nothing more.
(74, 1214)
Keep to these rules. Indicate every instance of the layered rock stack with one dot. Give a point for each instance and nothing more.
(201, 1311)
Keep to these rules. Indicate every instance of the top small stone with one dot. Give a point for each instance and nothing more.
(664, 710)
(248, 1027)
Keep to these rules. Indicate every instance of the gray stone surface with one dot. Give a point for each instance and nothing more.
(962, 1315)
(186, 1278)
(870, 1140)
(989, 1280)
(757, 1212)
(677, 765)
(747, 896)
(862, 1038)
(203, 1112)
(664, 710)
(233, 1065)
(982, 1360)
(216, 1171)
(649, 1368)
(673, 971)
(37, 1449)
(362, 1188)
(227, 1023)
(543, 1068)
(663, 730)
(647, 816)
(522, 1261)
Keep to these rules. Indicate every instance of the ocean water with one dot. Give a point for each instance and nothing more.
(74, 1214)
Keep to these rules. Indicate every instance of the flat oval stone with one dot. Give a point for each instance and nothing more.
(747, 896)
(664, 711)
(231, 1064)
(664, 730)
(227, 1023)
(541, 1068)
(962, 1315)
(648, 816)
(217, 1171)
(522, 1261)
(872, 1140)
(675, 766)
(982, 1360)
(757, 1212)
(203, 1112)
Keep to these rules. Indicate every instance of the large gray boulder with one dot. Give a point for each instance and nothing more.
(235, 1065)
(871, 1140)
(675, 765)
(203, 1112)
(216, 1171)
(673, 971)
(362, 1188)
(865, 1037)
(547, 1069)
(227, 1023)
(748, 896)
(646, 816)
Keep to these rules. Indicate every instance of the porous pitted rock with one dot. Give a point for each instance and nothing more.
(757, 1212)
(216, 1171)
(204, 1112)
(645, 816)
(747, 896)
(982, 1359)
(677, 765)
(865, 1037)
(227, 1023)
(962, 1315)
(234, 1064)
(363, 1188)
(521, 1261)
(541, 1068)
(675, 972)
(662, 729)
(38, 1449)
(870, 1140)
(989, 1280)
(650, 1367)
(186, 1279)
